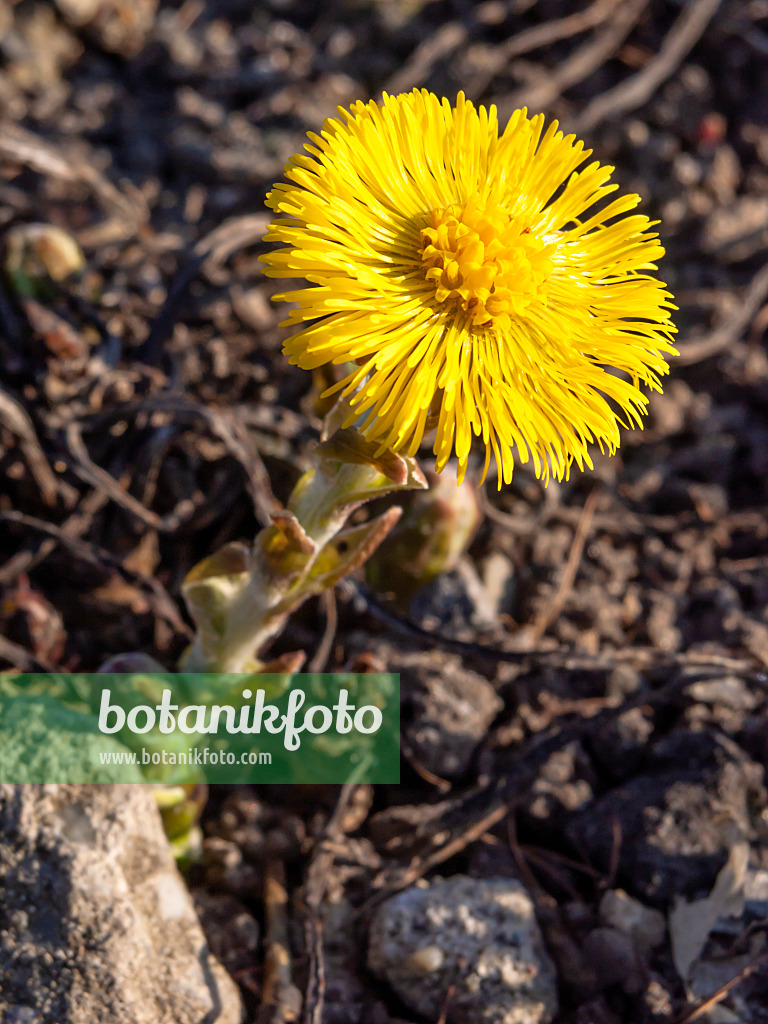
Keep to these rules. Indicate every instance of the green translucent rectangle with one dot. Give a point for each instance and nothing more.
(195, 727)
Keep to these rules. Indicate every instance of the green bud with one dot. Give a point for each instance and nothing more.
(436, 529)
(40, 256)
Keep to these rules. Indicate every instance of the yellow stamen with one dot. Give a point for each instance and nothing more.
(486, 262)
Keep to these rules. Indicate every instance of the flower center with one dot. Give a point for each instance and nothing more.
(486, 261)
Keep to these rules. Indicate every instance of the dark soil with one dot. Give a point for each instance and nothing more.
(612, 630)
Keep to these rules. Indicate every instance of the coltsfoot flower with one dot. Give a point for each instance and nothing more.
(462, 275)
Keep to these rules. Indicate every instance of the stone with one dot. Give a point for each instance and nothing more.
(96, 923)
(471, 945)
(448, 708)
(42, 739)
(231, 930)
(644, 925)
(614, 959)
(673, 843)
(730, 691)
(454, 710)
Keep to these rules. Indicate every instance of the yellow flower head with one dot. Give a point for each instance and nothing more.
(461, 274)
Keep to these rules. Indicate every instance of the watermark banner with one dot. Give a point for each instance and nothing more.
(199, 727)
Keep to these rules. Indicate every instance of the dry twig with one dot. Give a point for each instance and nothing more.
(638, 89)
(95, 555)
(74, 526)
(548, 614)
(446, 40)
(538, 36)
(639, 657)
(209, 252)
(280, 999)
(580, 65)
(15, 418)
(20, 658)
(454, 845)
(99, 478)
(732, 329)
(315, 888)
(718, 996)
(321, 655)
(20, 146)
(227, 424)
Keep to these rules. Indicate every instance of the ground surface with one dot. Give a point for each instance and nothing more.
(146, 409)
